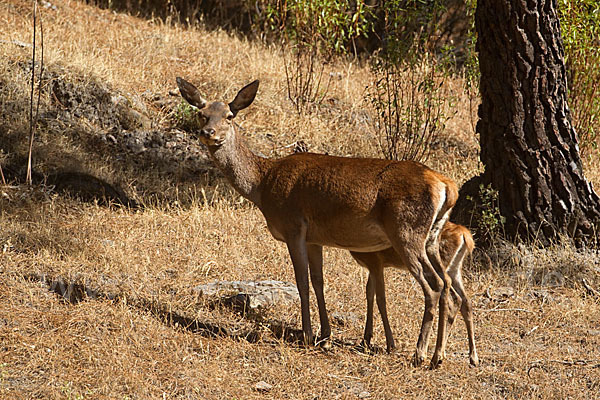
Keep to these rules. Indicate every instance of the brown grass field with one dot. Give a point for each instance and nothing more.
(131, 273)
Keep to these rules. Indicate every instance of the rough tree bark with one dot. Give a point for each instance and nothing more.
(528, 145)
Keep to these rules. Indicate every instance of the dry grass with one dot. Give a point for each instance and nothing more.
(539, 341)
(536, 339)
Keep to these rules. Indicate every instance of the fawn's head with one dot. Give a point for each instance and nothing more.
(216, 116)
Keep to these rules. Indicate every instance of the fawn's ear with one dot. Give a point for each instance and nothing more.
(244, 98)
(190, 93)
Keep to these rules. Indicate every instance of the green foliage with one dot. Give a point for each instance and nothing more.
(329, 25)
(408, 27)
(580, 28)
(312, 31)
(69, 393)
(486, 213)
(471, 62)
(187, 117)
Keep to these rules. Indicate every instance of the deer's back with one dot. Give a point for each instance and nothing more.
(344, 200)
(354, 183)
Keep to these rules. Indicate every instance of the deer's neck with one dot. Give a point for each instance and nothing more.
(244, 169)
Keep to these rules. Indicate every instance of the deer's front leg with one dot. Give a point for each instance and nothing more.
(315, 261)
(370, 292)
(297, 247)
(377, 273)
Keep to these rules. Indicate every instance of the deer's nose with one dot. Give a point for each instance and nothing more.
(208, 132)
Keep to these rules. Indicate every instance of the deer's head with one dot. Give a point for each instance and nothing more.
(216, 116)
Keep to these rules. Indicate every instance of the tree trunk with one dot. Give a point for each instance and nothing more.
(528, 145)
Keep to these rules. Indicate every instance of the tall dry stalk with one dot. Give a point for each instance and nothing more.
(33, 119)
(304, 71)
(409, 107)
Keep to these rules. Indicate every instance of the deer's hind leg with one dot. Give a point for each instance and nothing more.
(434, 258)
(466, 310)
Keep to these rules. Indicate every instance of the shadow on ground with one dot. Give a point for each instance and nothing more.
(97, 144)
(74, 292)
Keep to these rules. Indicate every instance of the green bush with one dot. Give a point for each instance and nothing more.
(187, 117)
(486, 214)
(331, 25)
(312, 32)
(580, 25)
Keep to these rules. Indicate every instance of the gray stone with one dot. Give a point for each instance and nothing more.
(345, 318)
(263, 386)
(258, 293)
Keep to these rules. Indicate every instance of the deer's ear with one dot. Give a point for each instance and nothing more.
(244, 98)
(190, 93)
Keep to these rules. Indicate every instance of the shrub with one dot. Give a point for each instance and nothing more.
(580, 24)
(311, 32)
(407, 96)
(409, 106)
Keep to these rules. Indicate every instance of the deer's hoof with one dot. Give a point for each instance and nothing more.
(417, 360)
(436, 362)
(325, 343)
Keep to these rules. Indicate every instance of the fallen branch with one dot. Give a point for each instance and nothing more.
(504, 309)
(571, 363)
(589, 288)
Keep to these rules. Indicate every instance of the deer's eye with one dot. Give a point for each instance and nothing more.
(230, 116)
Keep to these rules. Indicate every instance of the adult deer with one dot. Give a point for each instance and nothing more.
(363, 205)
(456, 243)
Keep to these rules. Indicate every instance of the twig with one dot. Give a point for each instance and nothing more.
(28, 177)
(571, 363)
(504, 309)
(343, 377)
(536, 364)
(589, 288)
(535, 328)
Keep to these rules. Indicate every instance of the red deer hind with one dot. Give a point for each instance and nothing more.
(359, 204)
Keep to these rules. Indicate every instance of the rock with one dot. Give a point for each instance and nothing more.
(553, 279)
(543, 295)
(345, 318)
(263, 386)
(501, 293)
(359, 391)
(256, 294)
